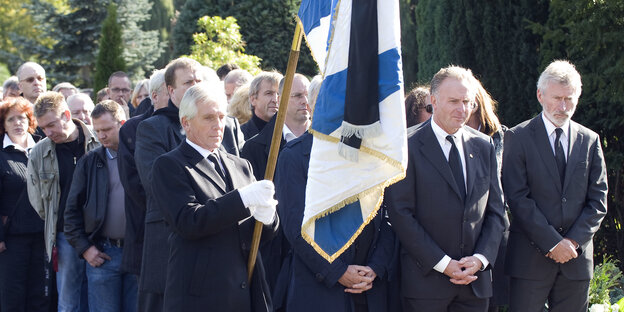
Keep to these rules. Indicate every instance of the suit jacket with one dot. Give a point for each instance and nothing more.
(233, 139)
(134, 199)
(431, 220)
(211, 234)
(544, 211)
(312, 281)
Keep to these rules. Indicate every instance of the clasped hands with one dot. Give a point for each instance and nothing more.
(462, 272)
(258, 198)
(564, 251)
(357, 279)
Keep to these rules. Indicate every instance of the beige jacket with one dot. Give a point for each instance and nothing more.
(44, 191)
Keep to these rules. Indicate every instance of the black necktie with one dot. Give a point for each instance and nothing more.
(215, 161)
(560, 155)
(456, 168)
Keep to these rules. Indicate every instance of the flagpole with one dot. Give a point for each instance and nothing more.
(293, 58)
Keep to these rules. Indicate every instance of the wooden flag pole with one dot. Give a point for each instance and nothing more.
(293, 58)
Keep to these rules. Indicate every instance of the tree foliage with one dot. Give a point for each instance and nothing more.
(267, 26)
(110, 56)
(220, 42)
(160, 20)
(142, 48)
(492, 39)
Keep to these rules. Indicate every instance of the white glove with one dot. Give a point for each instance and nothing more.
(264, 214)
(257, 194)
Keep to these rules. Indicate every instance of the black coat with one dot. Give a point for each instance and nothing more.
(14, 204)
(87, 202)
(155, 136)
(211, 234)
(312, 280)
(134, 195)
(256, 151)
(250, 129)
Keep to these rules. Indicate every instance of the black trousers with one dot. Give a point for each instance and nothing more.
(23, 274)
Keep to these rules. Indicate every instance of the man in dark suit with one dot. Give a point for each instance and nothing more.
(556, 185)
(155, 136)
(358, 279)
(448, 211)
(263, 92)
(134, 191)
(208, 198)
(257, 149)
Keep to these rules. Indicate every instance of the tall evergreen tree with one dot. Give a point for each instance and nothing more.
(141, 48)
(409, 44)
(110, 56)
(160, 20)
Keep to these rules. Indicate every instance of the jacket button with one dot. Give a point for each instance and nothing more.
(244, 246)
(243, 285)
(319, 277)
(532, 244)
(560, 230)
(563, 200)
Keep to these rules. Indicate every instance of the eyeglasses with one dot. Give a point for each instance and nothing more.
(120, 90)
(32, 79)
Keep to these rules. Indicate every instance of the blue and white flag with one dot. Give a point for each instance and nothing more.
(359, 145)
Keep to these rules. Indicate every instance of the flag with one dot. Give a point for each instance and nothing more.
(359, 145)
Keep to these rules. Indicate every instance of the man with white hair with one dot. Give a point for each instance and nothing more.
(211, 201)
(555, 183)
(81, 106)
(235, 79)
(66, 89)
(32, 80)
(134, 191)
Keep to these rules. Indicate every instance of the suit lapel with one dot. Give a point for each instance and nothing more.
(203, 166)
(574, 156)
(431, 149)
(545, 150)
(471, 155)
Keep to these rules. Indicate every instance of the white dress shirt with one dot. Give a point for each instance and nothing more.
(446, 148)
(205, 153)
(550, 130)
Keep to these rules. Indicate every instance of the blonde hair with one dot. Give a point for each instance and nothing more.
(486, 110)
(135, 94)
(239, 104)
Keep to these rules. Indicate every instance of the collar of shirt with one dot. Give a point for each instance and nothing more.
(111, 154)
(204, 152)
(550, 131)
(288, 135)
(30, 142)
(446, 145)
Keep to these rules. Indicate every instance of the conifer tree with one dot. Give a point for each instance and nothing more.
(110, 55)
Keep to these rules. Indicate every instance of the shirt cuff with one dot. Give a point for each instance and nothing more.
(442, 264)
(553, 248)
(484, 261)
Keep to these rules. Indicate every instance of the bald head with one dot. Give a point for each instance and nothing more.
(32, 80)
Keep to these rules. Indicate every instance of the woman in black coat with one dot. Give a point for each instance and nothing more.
(22, 251)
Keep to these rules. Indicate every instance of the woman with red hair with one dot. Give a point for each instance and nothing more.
(22, 251)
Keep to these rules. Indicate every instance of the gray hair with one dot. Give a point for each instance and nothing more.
(208, 74)
(156, 81)
(80, 96)
(64, 85)
(562, 72)
(201, 92)
(11, 83)
(273, 77)
(238, 77)
(454, 72)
